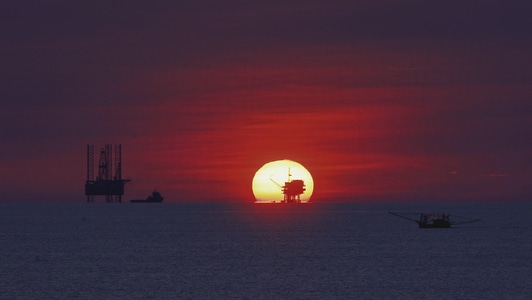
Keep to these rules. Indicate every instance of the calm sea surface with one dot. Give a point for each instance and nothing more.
(252, 251)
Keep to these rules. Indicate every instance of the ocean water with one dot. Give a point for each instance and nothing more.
(261, 251)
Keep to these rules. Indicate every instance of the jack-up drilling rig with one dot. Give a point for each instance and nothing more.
(105, 184)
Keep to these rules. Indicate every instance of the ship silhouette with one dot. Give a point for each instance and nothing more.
(155, 197)
(434, 220)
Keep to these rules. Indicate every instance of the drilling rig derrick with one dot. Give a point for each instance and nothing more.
(105, 184)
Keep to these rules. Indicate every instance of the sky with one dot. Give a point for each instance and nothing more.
(380, 100)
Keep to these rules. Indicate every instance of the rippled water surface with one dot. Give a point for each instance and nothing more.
(262, 251)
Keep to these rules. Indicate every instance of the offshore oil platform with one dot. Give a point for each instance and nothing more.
(292, 189)
(109, 182)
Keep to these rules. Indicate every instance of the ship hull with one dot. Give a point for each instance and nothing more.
(144, 201)
(154, 198)
(435, 224)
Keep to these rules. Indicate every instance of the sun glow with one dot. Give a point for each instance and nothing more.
(270, 179)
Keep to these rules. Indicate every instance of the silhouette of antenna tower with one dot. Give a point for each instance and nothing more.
(105, 184)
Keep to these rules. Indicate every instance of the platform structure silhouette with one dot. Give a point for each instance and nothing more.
(292, 189)
(110, 186)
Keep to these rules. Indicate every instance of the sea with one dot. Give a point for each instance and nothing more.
(229, 250)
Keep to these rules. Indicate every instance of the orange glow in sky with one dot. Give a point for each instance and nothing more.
(380, 102)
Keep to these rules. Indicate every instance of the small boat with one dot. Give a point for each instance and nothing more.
(434, 220)
(155, 197)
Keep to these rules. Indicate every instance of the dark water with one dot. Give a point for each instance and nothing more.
(250, 251)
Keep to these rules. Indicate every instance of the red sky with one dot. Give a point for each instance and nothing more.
(380, 100)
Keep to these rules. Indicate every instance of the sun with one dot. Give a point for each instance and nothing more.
(282, 181)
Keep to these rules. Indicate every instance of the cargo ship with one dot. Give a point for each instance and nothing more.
(155, 197)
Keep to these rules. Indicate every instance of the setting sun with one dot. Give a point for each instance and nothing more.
(282, 181)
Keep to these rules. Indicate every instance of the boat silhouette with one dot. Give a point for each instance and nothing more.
(155, 197)
(434, 220)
